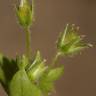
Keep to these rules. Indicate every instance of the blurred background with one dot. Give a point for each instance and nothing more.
(51, 16)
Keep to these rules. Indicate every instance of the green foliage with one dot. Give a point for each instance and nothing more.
(26, 76)
(7, 69)
(2, 76)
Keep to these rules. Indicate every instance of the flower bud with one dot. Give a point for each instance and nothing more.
(24, 13)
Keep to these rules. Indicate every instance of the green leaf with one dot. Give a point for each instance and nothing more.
(2, 75)
(22, 86)
(7, 69)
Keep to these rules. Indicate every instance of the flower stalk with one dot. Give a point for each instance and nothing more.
(28, 43)
(55, 59)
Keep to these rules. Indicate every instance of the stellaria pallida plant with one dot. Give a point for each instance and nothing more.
(27, 76)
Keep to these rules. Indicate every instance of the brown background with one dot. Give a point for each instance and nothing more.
(51, 16)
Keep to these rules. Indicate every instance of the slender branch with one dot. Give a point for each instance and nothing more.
(28, 43)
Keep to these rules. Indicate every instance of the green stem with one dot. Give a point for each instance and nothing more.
(55, 59)
(28, 43)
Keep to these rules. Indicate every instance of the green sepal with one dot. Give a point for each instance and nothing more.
(37, 67)
(22, 61)
(55, 73)
(36, 61)
(45, 85)
(36, 72)
(46, 82)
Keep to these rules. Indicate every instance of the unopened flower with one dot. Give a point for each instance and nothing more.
(24, 13)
